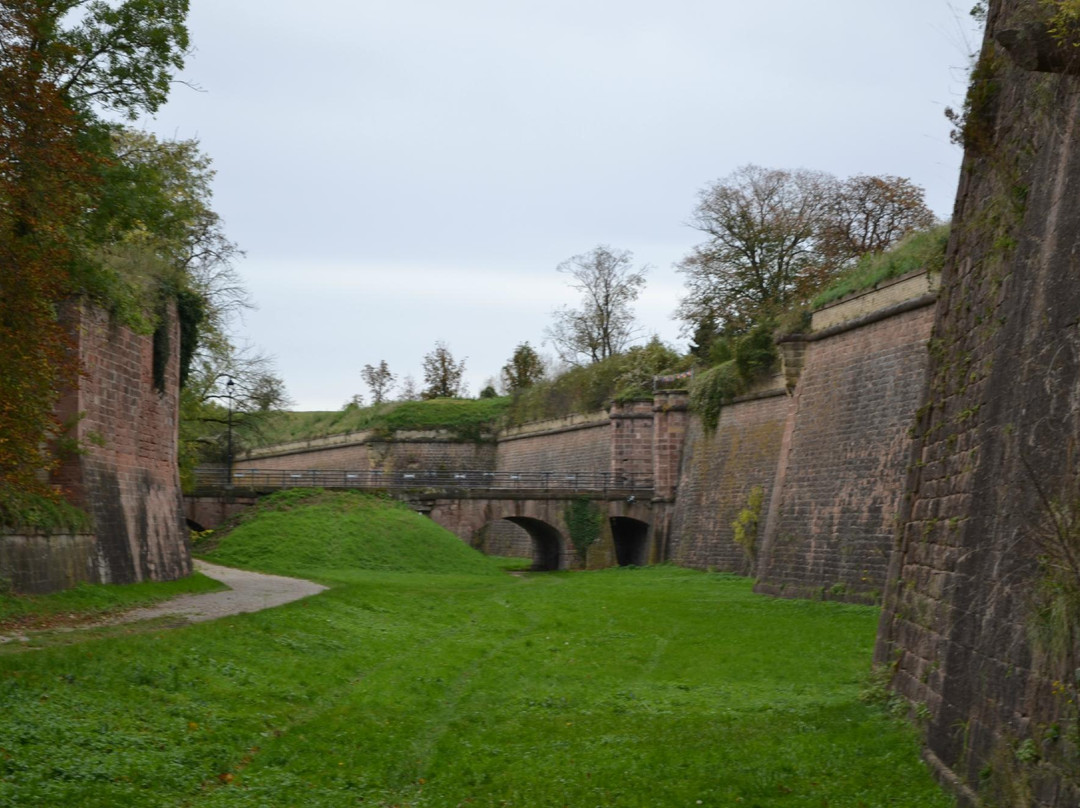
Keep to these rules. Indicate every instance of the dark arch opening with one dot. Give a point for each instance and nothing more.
(547, 543)
(193, 525)
(631, 541)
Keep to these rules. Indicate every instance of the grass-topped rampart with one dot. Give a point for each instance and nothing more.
(629, 687)
(922, 250)
(464, 419)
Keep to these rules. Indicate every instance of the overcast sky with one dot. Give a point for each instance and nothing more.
(405, 171)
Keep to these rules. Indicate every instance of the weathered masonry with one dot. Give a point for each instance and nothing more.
(830, 521)
(125, 416)
(980, 628)
(816, 454)
(636, 443)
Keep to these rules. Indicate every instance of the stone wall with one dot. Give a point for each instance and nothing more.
(632, 439)
(363, 451)
(574, 443)
(127, 478)
(830, 523)
(719, 470)
(979, 628)
(36, 563)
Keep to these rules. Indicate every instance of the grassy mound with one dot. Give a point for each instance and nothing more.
(333, 535)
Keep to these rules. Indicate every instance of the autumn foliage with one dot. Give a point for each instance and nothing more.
(44, 179)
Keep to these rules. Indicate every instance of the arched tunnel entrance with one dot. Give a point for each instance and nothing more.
(547, 543)
(631, 541)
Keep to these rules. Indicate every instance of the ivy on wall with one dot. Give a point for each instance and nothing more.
(583, 521)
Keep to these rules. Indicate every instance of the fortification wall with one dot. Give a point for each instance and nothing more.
(127, 478)
(979, 626)
(718, 472)
(830, 523)
(574, 443)
(363, 451)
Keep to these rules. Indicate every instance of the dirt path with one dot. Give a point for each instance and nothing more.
(248, 592)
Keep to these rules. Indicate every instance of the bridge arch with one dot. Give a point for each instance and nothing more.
(548, 543)
(631, 539)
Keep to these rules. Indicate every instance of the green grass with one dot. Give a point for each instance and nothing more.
(468, 419)
(512, 563)
(88, 601)
(629, 687)
(923, 250)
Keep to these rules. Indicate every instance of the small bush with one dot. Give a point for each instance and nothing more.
(752, 355)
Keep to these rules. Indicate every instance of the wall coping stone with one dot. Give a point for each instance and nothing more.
(553, 426)
(344, 439)
(888, 293)
(885, 313)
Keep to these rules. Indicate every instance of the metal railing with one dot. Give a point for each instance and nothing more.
(261, 479)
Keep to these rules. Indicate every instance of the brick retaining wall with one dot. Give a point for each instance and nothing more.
(127, 478)
(718, 472)
(831, 522)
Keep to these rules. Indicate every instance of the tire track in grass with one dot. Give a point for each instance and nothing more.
(411, 779)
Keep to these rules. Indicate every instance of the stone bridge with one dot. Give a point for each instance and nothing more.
(477, 505)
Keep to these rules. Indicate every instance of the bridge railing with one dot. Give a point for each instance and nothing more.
(261, 479)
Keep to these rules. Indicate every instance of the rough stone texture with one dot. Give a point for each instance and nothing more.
(719, 471)
(830, 525)
(543, 518)
(671, 418)
(207, 513)
(363, 451)
(127, 478)
(632, 439)
(579, 444)
(503, 538)
(1000, 422)
(33, 563)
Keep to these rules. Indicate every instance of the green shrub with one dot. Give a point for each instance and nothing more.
(584, 522)
(751, 356)
(593, 387)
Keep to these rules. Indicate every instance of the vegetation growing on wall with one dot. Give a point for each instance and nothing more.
(922, 250)
(593, 387)
(60, 65)
(584, 521)
(745, 526)
(739, 362)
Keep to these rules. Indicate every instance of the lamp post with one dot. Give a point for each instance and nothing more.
(228, 449)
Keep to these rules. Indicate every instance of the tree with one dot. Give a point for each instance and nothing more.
(442, 374)
(408, 390)
(869, 215)
(59, 62)
(524, 369)
(255, 395)
(776, 237)
(603, 325)
(379, 380)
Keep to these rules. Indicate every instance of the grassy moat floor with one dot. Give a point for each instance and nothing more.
(427, 676)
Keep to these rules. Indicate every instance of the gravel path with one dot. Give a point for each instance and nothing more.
(248, 592)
